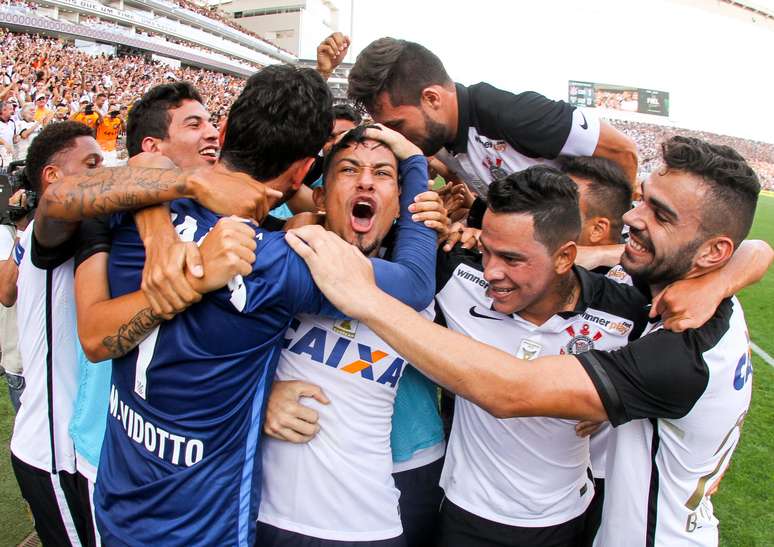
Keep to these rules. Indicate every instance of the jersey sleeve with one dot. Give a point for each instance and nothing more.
(410, 276)
(48, 258)
(661, 375)
(536, 125)
(93, 237)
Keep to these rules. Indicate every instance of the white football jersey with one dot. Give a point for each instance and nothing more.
(677, 402)
(47, 342)
(338, 486)
(529, 472)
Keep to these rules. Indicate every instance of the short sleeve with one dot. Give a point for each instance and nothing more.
(661, 375)
(531, 123)
(93, 237)
(48, 258)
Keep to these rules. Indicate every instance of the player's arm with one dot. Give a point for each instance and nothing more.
(9, 273)
(689, 303)
(410, 275)
(110, 190)
(593, 256)
(496, 381)
(618, 147)
(110, 328)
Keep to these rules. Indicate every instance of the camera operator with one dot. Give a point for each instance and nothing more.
(108, 129)
(10, 231)
(87, 115)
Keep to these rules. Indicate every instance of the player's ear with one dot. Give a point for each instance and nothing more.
(600, 230)
(318, 197)
(564, 257)
(150, 144)
(431, 97)
(714, 253)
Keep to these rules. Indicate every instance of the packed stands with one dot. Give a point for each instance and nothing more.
(649, 137)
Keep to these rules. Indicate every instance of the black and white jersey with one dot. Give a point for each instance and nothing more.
(677, 402)
(500, 133)
(529, 472)
(47, 343)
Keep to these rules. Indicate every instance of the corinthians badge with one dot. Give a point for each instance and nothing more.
(581, 342)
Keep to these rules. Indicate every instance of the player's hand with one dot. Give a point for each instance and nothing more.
(166, 259)
(331, 52)
(688, 303)
(227, 251)
(229, 193)
(286, 418)
(584, 428)
(339, 269)
(428, 209)
(459, 233)
(19, 198)
(400, 145)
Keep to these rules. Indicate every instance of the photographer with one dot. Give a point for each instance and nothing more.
(108, 129)
(87, 115)
(10, 231)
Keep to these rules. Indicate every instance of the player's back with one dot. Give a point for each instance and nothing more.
(181, 460)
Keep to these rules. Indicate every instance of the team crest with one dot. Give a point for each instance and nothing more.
(580, 342)
(345, 327)
(528, 350)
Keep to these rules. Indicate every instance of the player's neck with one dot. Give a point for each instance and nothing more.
(563, 297)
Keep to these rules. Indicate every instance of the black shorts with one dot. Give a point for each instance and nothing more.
(593, 514)
(459, 528)
(60, 504)
(420, 503)
(267, 535)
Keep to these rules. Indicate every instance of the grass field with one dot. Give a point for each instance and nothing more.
(743, 505)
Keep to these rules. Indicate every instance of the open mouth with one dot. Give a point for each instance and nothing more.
(210, 153)
(499, 293)
(637, 246)
(363, 212)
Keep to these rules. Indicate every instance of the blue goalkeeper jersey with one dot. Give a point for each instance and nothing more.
(181, 462)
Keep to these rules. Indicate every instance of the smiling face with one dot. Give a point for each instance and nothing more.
(519, 268)
(360, 195)
(192, 141)
(665, 228)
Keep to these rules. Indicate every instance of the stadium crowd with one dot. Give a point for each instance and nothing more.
(495, 363)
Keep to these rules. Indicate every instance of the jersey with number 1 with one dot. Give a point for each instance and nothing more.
(181, 463)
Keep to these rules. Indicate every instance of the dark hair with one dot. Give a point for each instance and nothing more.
(610, 193)
(150, 115)
(283, 114)
(545, 193)
(401, 68)
(101, 95)
(54, 138)
(345, 111)
(733, 187)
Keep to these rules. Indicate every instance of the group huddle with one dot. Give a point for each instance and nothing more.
(483, 365)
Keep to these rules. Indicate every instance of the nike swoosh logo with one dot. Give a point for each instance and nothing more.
(585, 124)
(474, 313)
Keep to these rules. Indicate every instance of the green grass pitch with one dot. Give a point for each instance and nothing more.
(743, 504)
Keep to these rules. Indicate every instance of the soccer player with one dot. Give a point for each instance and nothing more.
(676, 400)
(491, 133)
(347, 468)
(42, 453)
(195, 388)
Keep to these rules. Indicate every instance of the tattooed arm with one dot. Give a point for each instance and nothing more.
(110, 328)
(109, 190)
